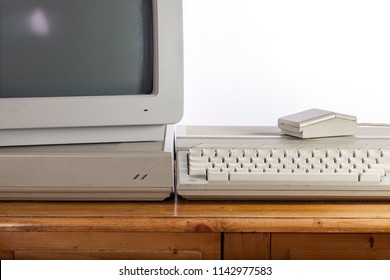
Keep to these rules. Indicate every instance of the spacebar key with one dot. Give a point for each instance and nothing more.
(301, 177)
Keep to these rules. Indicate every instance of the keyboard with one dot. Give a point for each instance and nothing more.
(262, 164)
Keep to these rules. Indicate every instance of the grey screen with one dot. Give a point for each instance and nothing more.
(76, 48)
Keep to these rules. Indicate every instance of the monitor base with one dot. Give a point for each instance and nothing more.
(117, 171)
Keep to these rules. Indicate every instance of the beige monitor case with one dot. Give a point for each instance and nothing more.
(93, 119)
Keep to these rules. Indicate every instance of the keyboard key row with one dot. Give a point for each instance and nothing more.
(230, 160)
(225, 176)
(292, 153)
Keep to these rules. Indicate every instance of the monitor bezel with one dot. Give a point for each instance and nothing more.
(163, 106)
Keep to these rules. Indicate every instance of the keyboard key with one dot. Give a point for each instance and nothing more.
(223, 152)
(305, 153)
(217, 176)
(250, 153)
(248, 165)
(361, 153)
(219, 165)
(277, 153)
(373, 153)
(236, 153)
(263, 153)
(209, 152)
(385, 153)
(384, 165)
(291, 153)
(230, 160)
(216, 159)
(244, 160)
(271, 160)
(293, 177)
(195, 152)
(375, 169)
(346, 153)
(257, 160)
(198, 171)
(234, 165)
(370, 177)
(199, 159)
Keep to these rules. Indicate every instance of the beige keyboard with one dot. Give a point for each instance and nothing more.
(290, 165)
(280, 167)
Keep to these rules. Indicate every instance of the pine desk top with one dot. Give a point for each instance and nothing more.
(196, 216)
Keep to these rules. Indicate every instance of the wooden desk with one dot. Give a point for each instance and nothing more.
(194, 230)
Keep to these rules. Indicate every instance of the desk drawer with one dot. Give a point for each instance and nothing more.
(330, 246)
(109, 245)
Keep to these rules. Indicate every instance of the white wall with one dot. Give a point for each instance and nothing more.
(248, 62)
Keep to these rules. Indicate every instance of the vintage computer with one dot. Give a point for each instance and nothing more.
(87, 89)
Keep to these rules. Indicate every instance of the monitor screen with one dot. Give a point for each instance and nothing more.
(52, 48)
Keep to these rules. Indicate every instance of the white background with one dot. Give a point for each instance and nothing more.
(249, 62)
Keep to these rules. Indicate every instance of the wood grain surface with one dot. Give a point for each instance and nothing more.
(187, 216)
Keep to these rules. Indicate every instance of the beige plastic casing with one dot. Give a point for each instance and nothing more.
(63, 120)
(315, 123)
(101, 172)
(198, 188)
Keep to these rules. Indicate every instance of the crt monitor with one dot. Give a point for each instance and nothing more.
(89, 71)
